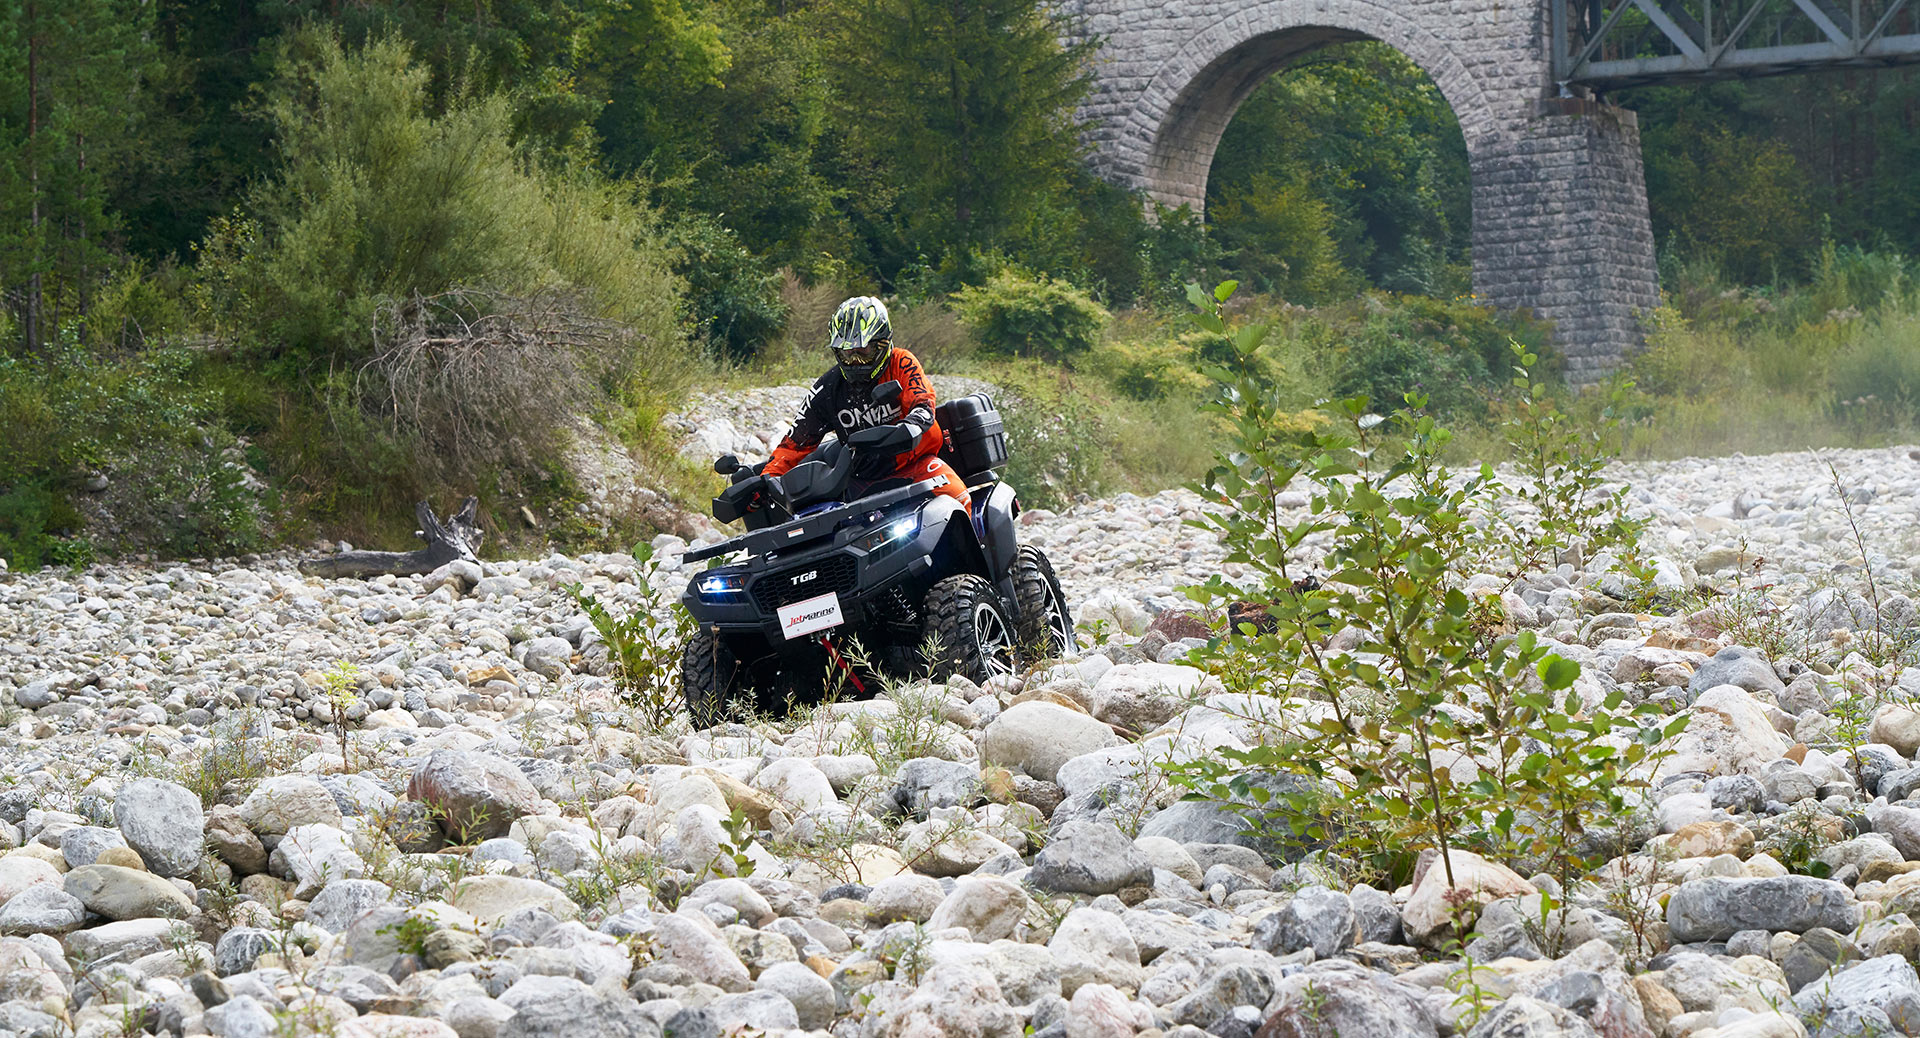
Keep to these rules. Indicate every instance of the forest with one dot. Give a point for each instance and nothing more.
(235, 231)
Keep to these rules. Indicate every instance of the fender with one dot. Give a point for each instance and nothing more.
(957, 551)
(1002, 543)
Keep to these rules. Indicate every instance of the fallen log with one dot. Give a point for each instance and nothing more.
(457, 538)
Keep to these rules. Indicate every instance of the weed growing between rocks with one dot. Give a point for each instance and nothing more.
(243, 751)
(1404, 698)
(643, 650)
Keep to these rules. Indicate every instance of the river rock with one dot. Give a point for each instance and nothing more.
(1090, 858)
(282, 802)
(1740, 667)
(1728, 733)
(478, 795)
(119, 893)
(1037, 737)
(1717, 907)
(163, 822)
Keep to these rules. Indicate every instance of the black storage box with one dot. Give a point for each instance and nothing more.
(976, 438)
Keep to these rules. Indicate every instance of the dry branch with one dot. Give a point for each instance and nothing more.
(475, 380)
(457, 538)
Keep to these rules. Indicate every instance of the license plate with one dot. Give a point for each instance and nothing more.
(810, 616)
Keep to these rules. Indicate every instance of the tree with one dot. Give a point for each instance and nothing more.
(1361, 130)
(960, 112)
(647, 62)
(72, 98)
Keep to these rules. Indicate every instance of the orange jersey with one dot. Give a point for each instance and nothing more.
(844, 406)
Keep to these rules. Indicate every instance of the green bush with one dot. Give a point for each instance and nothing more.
(38, 527)
(1455, 353)
(1031, 316)
(174, 478)
(443, 296)
(735, 298)
(1437, 725)
(1058, 447)
(1881, 370)
(1278, 234)
(1152, 370)
(377, 198)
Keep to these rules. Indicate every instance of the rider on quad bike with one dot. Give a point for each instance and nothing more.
(861, 341)
(897, 536)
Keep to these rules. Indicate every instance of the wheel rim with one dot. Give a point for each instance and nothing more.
(995, 640)
(1058, 629)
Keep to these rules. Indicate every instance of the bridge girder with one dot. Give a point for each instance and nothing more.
(1610, 44)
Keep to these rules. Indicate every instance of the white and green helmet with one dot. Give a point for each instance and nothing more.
(860, 337)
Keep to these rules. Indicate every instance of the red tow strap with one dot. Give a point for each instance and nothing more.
(846, 667)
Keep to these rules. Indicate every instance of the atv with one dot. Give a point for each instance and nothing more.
(840, 590)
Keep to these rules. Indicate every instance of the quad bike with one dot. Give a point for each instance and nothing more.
(838, 590)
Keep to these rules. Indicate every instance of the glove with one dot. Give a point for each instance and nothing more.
(884, 439)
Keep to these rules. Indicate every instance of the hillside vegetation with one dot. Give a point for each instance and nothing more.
(274, 272)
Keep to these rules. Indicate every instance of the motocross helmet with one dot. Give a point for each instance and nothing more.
(860, 338)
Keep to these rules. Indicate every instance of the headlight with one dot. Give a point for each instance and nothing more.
(719, 585)
(893, 534)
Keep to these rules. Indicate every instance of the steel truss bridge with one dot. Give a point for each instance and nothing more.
(1603, 45)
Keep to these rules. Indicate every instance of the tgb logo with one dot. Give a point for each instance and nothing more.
(856, 418)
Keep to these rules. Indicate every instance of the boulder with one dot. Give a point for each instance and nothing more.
(695, 946)
(163, 822)
(808, 992)
(44, 908)
(1896, 726)
(1316, 918)
(282, 802)
(478, 795)
(20, 871)
(1346, 999)
(1740, 667)
(1887, 983)
(1143, 696)
(120, 893)
(1431, 910)
(1094, 947)
(313, 856)
(1717, 907)
(904, 898)
(1090, 858)
(1216, 822)
(492, 898)
(988, 907)
(1728, 733)
(1038, 737)
(797, 784)
(1523, 1017)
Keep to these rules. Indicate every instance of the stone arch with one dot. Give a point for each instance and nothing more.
(1560, 224)
(1188, 103)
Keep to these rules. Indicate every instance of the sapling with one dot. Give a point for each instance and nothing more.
(1429, 721)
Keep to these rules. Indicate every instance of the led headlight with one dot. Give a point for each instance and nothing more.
(719, 585)
(891, 535)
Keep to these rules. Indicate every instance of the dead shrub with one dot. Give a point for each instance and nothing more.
(475, 380)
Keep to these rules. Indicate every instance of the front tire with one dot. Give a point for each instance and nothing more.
(709, 674)
(966, 620)
(1046, 627)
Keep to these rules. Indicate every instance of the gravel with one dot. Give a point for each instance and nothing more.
(198, 836)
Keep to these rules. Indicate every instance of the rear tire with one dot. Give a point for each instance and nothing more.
(1046, 627)
(709, 674)
(975, 636)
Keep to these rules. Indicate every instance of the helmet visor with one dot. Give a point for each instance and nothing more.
(856, 353)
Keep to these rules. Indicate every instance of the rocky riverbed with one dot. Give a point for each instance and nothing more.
(238, 801)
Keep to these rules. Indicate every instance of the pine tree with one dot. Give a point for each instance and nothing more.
(72, 94)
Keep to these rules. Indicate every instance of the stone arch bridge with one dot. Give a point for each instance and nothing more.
(1560, 222)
